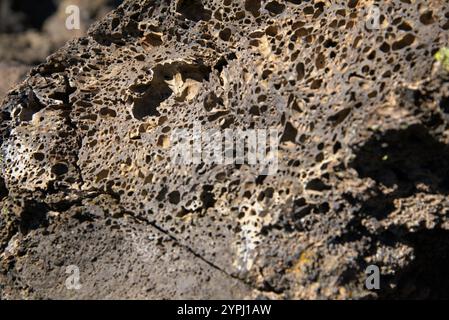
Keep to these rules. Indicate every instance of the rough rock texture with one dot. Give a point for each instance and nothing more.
(363, 175)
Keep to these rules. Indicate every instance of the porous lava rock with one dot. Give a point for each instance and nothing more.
(363, 174)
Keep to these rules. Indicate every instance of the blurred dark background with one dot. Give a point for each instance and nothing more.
(30, 30)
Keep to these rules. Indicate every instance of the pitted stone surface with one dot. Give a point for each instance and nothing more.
(362, 117)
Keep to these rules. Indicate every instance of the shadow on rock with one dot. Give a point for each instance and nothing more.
(403, 163)
(426, 277)
(405, 158)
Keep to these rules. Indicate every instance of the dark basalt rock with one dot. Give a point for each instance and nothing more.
(362, 118)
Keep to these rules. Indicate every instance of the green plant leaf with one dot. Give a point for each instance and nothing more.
(442, 56)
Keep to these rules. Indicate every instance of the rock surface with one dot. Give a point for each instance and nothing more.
(362, 179)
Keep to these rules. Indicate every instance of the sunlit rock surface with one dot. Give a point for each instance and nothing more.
(362, 177)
